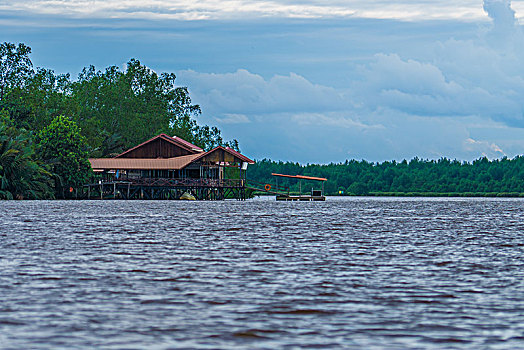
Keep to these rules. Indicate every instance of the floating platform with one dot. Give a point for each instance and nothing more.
(305, 198)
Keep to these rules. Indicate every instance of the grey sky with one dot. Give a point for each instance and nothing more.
(237, 9)
(311, 81)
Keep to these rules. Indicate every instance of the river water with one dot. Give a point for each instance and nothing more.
(374, 273)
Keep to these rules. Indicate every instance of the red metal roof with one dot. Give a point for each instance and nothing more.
(175, 163)
(187, 143)
(174, 140)
(241, 156)
(142, 163)
(301, 177)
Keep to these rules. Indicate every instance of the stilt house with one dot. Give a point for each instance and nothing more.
(165, 167)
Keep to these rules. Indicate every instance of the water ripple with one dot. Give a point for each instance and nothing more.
(353, 273)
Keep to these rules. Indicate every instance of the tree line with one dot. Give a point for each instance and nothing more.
(416, 177)
(50, 124)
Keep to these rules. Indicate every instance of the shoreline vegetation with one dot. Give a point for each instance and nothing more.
(415, 178)
(50, 125)
(450, 194)
(420, 195)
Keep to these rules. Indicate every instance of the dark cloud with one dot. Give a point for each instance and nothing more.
(241, 9)
(320, 90)
(432, 100)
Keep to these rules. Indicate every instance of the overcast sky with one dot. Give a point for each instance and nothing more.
(311, 80)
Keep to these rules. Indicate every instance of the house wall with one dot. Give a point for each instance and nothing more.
(158, 148)
(219, 156)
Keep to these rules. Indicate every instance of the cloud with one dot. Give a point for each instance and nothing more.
(317, 90)
(505, 32)
(501, 13)
(290, 117)
(424, 89)
(241, 91)
(176, 10)
(338, 120)
(395, 107)
(487, 149)
(241, 9)
(461, 78)
(229, 118)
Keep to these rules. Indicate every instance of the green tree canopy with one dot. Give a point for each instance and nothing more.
(116, 109)
(62, 145)
(15, 67)
(21, 174)
(120, 109)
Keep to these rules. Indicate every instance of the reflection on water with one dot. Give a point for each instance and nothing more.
(351, 273)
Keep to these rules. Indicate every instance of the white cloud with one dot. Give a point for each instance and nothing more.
(461, 78)
(337, 120)
(241, 91)
(487, 149)
(426, 92)
(396, 108)
(241, 9)
(288, 115)
(177, 10)
(425, 89)
(231, 118)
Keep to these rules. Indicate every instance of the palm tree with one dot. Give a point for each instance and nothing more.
(21, 175)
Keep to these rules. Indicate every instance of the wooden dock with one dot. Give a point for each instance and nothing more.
(314, 196)
(283, 193)
(305, 198)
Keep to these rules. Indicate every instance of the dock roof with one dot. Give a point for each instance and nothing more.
(302, 177)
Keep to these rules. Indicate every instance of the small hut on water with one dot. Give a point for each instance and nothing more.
(166, 167)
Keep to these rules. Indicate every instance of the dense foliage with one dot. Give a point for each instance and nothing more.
(503, 177)
(21, 174)
(61, 145)
(115, 109)
(120, 109)
(15, 67)
(106, 112)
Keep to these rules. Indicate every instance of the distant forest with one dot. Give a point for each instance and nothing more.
(482, 177)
